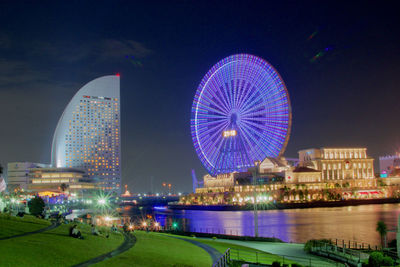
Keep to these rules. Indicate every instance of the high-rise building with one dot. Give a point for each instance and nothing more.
(88, 133)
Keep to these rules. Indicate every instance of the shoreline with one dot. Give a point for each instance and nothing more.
(281, 206)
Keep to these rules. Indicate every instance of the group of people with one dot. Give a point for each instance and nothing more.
(76, 233)
(96, 232)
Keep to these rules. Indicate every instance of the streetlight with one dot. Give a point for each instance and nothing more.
(254, 171)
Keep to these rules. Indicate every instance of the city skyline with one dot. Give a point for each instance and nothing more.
(342, 85)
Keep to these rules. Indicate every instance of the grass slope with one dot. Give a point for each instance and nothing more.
(56, 248)
(11, 225)
(242, 253)
(154, 249)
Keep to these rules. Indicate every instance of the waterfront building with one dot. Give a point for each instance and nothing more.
(346, 172)
(340, 165)
(389, 166)
(54, 181)
(87, 136)
(18, 174)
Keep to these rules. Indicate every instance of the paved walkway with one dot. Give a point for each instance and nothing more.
(214, 254)
(289, 250)
(54, 225)
(129, 242)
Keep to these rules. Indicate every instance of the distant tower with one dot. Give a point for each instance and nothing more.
(88, 133)
(196, 183)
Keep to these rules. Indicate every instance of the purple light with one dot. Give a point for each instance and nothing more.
(241, 93)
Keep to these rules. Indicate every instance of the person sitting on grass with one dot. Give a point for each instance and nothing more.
(97, 232)
(114, 228)
(74, 232)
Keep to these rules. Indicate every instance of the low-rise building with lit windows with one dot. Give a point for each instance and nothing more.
(53, 181)
(320, 174)
(339, 163)
(18, 174)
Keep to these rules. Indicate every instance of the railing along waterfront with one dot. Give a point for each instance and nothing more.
(344, 254)
(224, 260)
(260, 257)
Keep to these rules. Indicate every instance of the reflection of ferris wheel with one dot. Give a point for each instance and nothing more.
(241, 114)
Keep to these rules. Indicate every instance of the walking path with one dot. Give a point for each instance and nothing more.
(129, 242)
(289, 250)
(52, 226)
(214, 254)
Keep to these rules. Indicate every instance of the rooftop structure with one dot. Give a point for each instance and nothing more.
(87, 136)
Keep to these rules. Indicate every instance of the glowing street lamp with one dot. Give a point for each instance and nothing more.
(102, 201)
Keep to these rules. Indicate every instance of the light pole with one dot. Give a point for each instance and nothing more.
(254, 171)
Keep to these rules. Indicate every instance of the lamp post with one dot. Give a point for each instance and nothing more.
(254, 171)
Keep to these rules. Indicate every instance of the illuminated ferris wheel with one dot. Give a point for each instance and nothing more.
(241, 114)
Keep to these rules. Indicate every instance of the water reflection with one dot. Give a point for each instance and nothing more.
(356, 223)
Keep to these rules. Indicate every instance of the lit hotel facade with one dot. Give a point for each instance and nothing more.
(87, 136)
(316, 169)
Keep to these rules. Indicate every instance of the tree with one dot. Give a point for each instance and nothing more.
(1, 169)
(63, 187)
(381, 228)
(36, 206)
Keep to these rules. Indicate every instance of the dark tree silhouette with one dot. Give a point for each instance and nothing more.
(36, 206)
(381, 228)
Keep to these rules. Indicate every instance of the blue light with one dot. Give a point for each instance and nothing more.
(241, 114)
(160, 207)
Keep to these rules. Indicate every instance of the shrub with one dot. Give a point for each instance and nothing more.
(387, 261)
(36, 206)
(375, 259)
(296, 265)
(276, 264)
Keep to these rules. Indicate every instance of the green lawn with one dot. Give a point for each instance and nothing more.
(154, 249)
(56, 248)
(11, 225)
(243, 253)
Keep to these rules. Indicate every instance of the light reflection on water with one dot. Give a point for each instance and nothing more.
(355, 223)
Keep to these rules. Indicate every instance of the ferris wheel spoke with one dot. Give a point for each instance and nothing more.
(219, 98)
(216, 105)
(253, 139)
(219, 88)
(273, 105)
(206, 109)
(245, 95)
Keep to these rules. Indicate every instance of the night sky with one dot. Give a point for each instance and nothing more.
(340, 62)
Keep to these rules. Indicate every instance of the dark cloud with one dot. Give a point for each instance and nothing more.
(100, 50)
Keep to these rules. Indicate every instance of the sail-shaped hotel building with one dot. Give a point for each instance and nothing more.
(88, 133)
